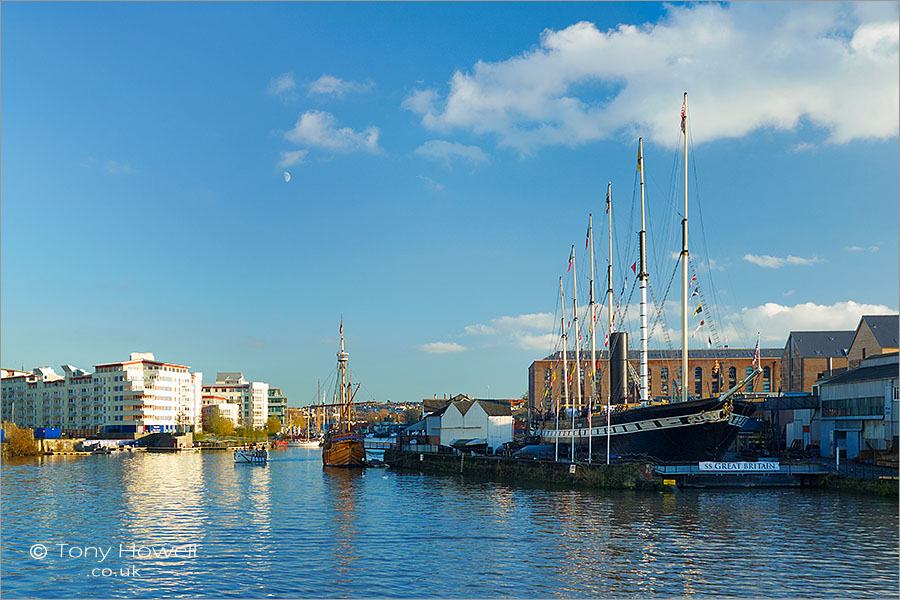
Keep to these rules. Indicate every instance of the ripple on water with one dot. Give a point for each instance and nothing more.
(294, 529)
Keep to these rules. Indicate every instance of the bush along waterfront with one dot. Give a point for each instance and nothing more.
(619, 476)
(19, 441)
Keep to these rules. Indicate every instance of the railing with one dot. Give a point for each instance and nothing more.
(379, 445)
(783, 469)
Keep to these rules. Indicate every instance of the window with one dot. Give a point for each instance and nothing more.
(732, 377)
(664, 380)
(714, 377)
(698, 382)
(767, 379)
(749, 383)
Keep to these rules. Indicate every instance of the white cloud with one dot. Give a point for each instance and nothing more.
(789, 293)
(861, 249)
(118, 168)
(319, 129)
(776, 321)
(335, 86)
(444, 151)
(281, 84)
(442, 348)
(421, 101)
(804, 147)
(776, 262)
(833, 65)
(528, 332)
(291, 158)
(432, 184)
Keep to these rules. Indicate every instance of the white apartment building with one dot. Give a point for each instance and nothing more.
(226, 409)
(140, 395)
(43, 398)
(253, 397)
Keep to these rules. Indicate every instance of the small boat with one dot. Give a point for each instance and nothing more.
(305, 442)
(251, 455)
(342, 447)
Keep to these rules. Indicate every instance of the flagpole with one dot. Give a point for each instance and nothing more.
(593, 344)
(565, 373)
(684, 263)
(643, 278)
(609, 315)
(577, 349)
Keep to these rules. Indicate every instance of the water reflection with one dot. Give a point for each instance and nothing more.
(293, 529)
(343, 486)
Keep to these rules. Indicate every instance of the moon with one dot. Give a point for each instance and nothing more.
(287, 176)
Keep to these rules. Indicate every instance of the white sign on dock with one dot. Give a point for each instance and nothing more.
(732, 467)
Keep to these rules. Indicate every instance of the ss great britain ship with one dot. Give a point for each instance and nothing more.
(632, 426)
(341, 446)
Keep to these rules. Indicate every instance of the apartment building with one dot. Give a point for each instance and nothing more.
(137, 396)
(278, 405)
(252, 397)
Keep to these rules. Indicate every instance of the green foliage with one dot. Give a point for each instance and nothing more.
(273, 425)
(250, 434)
(218, 425)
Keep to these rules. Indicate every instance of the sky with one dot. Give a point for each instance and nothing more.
(222, 183)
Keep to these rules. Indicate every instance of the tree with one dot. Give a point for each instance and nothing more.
(20, 441)
(217, 424)
(273, 425)
(411, 415)
(298, 420)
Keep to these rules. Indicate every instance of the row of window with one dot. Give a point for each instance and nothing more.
(716, 380)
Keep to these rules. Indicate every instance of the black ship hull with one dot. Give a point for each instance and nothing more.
(680, 432)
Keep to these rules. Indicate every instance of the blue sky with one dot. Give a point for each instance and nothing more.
(443, 159)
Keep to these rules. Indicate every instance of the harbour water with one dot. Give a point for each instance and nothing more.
(198, 525)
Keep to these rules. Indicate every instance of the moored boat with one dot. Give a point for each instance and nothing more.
(341, 446)
(255, 455)
(679, 431)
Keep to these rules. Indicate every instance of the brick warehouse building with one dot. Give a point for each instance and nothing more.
(664, 370)
(808, 355)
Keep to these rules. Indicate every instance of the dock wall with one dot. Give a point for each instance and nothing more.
(619, 476)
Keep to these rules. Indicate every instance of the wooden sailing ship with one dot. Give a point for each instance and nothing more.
(341, 446)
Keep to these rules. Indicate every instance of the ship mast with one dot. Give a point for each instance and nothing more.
(593, 343)
(642, 276)
(565, 369)
(684, 262)
(609, 316)
(577, 349)
(343, 357)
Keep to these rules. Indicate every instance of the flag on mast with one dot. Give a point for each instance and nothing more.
(640, 161)
(587, 236)
(683, 118)
(756, 353)
(634, 267)
(571, 258)
(608, 187)
(699, 309)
